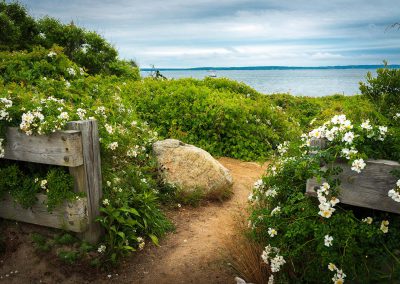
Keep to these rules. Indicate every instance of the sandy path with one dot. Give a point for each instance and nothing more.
(193, 253)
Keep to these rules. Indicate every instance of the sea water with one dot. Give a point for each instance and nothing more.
(308, 82)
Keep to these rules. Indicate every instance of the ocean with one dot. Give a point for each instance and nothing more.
(299, 82)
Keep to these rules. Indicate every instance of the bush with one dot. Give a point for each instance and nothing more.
(89, 50)
(225, 123)
(40, 105)
(311, 240)
(383, 90)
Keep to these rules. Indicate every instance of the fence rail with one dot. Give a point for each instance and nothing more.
(367, 189)
(77, 148)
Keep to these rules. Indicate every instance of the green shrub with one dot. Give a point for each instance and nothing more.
(18, 30)
(41, 243)
(89, 50)
(383, 90)
(301, 227)
(127, 166)
(225, 123)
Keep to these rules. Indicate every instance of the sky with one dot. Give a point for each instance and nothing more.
(195, 33)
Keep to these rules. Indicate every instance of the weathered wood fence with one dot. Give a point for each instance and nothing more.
(367, 189)
(77, 148)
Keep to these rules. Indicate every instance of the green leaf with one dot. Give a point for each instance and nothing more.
(154, 239)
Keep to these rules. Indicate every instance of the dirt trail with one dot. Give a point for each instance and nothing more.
(191, 254)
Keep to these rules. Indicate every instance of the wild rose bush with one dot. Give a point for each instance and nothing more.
(320, 240)
(42, 90)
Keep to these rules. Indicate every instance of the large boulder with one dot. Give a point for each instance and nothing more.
(190, 169)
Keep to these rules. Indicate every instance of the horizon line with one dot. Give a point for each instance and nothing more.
(272, 67)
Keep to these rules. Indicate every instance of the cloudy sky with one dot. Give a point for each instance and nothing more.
(193, 33)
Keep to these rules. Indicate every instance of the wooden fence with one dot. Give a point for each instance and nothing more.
(367, 189)
(78, 149)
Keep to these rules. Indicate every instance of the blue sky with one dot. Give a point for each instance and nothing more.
(193, 33)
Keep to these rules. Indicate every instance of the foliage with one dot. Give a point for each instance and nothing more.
(312, 233)
(19, 31)
(41, 243)
(58, 188)
(224, 122)
(65, 246)
(311, 111)
(23, 181)
(41, 105)
(383, 90)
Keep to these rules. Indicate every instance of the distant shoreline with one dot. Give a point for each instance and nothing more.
(397, 66)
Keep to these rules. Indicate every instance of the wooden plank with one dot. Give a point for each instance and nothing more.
(88, 177)
(61, 148)
(70, 216)
(367, 189)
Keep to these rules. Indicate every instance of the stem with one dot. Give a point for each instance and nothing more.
(398, 261)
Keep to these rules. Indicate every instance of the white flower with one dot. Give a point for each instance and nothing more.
(276, 211)
(106, 202)
(85, 47)
(71, 71)
(109, 129)
(367, 220)
(113, 145)
(347, 153)
(332, 267)
(101, 110)
(282, 148)
(273, 170)
(339, 276)
(67, 84)
(365, 125)
(346, 125)
(258, 184)
(328, 240)
(326, 213)
(132, 153)
(334, 201)
(276, 263)
(272, 232)
(383, 130)
(51, 54)
(331, 134)
(385, 226)
(81, 113)
(358, 165)
(318, 132)
(339, 119)
(348, 137)
(394, 194)
(398, 183)
(271, 192)
(102, 249)
(271, 279)
(6, 102)
(43, 184)
(64, 116)
(325, 186)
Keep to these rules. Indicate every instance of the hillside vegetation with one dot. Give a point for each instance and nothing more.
(52, 73)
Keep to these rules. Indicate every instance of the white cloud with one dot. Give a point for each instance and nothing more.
(180, 33)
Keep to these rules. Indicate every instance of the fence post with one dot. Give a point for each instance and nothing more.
(88, 176)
